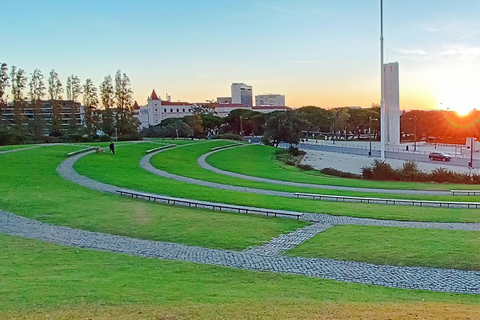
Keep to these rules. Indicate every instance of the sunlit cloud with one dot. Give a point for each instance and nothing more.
(465, 53)
(304, 61)
(412, 51)
(431, 29)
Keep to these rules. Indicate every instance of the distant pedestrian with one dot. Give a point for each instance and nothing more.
(112, 147)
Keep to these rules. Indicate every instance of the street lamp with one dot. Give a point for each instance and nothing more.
(370, 134)
(415, 134)
(333, 128)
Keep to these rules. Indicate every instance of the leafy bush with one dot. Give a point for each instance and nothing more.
(105, 138)
(305, 167)
(380, 170)
(338, 173)
(130, 137)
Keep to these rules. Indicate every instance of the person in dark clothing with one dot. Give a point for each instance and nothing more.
(112, 147)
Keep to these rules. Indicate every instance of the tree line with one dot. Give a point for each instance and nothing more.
(37, 110)
(275, 127)
(440, 126)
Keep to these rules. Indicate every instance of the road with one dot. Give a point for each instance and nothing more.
(418, 157)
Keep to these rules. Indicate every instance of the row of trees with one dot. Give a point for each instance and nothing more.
(108, 110)
(287, 126)
(442, 126)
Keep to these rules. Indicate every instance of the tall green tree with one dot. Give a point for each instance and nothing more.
(90, 102)
(19, 83)
(55, 90)
(107, 98)
(317, 118)
(4, 83)
(283, 126)
(74, 89)
(126, 121)
(36, 94)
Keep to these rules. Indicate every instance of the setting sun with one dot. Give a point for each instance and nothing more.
(459, 97)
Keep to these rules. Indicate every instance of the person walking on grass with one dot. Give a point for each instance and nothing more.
(112, 147)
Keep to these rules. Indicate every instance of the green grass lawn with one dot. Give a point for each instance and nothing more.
(396, 246)
(42, 276)
(183, 161)
(31, 187)
(267, 167)
(123, 170)
(15, 147)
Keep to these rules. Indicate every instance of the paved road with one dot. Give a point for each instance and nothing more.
(461, 162)
(418, 157)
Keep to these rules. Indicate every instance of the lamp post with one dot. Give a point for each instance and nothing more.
(370, 135)
(333, 128)
(414, 134)
(382, 89)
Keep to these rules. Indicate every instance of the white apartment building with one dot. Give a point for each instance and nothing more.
(392, 103)
(157, 110)
(242, 94)
(270, 100)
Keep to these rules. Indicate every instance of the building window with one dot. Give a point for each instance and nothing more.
(183, 110)
(164, 110)
(156, 109)
(177, 110)
(171, 110)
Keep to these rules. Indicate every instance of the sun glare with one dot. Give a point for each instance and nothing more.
(459, 97)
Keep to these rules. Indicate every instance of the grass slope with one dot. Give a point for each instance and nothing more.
(41, 279)
(396, 246)
(267, 167)
(123, 171)
(31, 187)
(183, 162)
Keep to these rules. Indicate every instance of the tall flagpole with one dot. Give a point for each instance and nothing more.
(382, 81)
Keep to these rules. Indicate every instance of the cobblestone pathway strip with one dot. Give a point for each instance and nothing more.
(443, 280)
(65, 169)
(203, 163)
(285, 242)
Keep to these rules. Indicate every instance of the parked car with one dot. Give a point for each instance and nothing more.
(439, 156)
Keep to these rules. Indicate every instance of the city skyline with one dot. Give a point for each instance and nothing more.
(322, 53)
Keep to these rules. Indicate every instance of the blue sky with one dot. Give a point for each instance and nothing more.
(323, 53)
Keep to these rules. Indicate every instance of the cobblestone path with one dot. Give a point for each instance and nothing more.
(443, 280)
(288, 241)
(203, 163)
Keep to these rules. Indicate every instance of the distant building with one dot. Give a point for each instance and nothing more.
(157, 110)
(67, 110)
(392, 103)
(224, 100)
(242, 94)
(270, 100)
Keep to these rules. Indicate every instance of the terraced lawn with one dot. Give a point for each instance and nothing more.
(395, 246)
(183, 162)
(123, 170)
(48, 281)
(268, 167)
(31, 187)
